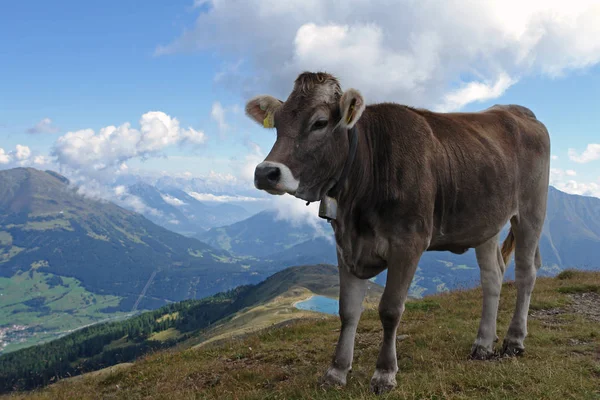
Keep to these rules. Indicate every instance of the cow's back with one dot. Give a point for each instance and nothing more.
(485, 163)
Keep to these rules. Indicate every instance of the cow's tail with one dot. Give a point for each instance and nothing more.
(508, 246)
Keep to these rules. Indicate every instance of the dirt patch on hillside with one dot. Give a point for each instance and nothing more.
(585, 304)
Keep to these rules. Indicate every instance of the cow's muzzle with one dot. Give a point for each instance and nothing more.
(266, 177)
(274, 178)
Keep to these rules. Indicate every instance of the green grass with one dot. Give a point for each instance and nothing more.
(64, 304)
(195, 253)
(223, 240)
(48, 225)
(426, 304)
(98, 237)
(223, 259)
(39, 264)
(566, 274)
(560, 362)
(167, 334)
(171, 316)
(115, 344)
(130, 236)
(583, 288)
(9, 252)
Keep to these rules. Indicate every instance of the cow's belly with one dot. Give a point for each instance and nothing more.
(365, 257)
(468, 232)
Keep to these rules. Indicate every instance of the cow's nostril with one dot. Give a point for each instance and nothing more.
(273, 175)
(266, 176)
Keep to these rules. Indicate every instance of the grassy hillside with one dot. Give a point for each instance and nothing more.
(188, 323)
(562, 358)
(36, 306)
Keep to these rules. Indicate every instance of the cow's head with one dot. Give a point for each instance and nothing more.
(312, 140)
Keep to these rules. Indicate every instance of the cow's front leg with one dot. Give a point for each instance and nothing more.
(352, 293)
(401, 269)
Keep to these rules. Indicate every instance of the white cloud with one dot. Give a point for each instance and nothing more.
(221, 177)
(22, 156)
(294, 210)
(209, 197)
(476, 91)
(110, 147)
(132, 202)
(4, 157)
(582, 188)
(554, 158)
(248, 165)
(560, 180)
(22, 153)
(218, 114)
(556, 174)
(120, 190)
(174, 201)
(96, 190)
(41, 160)
(416, 53)
(44, 126)
(591, 153)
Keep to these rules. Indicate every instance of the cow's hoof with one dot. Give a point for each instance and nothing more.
(334, 377)
(383, 382)
(512, 348)
(479, 352)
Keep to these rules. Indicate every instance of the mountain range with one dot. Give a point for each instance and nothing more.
(67, 260)
(262, 234)
(570, 239)
(180, 212)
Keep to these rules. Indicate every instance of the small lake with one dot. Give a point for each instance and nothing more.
(320, 304)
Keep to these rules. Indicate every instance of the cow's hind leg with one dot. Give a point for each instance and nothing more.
(527, 261)
(352, 293)
(492, 267)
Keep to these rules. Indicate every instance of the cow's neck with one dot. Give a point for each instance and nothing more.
(329, 203)
(358, 203)
(358, 188)
(341, 179)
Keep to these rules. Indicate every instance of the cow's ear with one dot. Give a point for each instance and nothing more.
(352, 106)
(262, 109)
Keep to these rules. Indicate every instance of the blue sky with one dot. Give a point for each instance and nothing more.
(86, 65)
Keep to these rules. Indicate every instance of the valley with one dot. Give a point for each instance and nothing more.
(68, 260)
(189, 324)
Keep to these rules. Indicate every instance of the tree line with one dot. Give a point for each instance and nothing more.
(89, 349)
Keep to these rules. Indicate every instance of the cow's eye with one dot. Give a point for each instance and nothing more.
(319, 124)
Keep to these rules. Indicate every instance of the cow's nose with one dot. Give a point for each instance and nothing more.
(266, 176)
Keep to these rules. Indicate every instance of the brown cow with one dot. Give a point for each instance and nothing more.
(417, 181)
